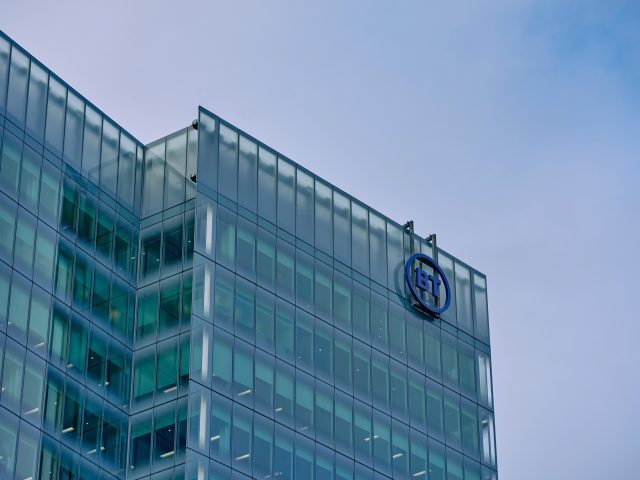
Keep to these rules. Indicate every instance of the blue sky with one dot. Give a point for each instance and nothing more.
(510, 128)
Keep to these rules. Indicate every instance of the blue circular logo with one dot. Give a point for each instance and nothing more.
(427, 282)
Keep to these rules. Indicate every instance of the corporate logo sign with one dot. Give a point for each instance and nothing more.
(435, 284)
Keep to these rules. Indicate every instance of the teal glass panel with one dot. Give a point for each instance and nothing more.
(164, 441)
(243, 375)
(343, 423)
(267, 185)
(360, 312)
(285, 348)
(73, 129)
(226, 238)
(91, 144)
(77, 354)
(109, 156)
(360, 238)
(323, 217)
(467, 366)
(304, 340)
(262, 447)
(10, 166)
(12, 375)
(324, 413)
(222, 365)
(144, 378)
(463, 298)
(140, 443)
(432, 351)
(150, 239)
(469, 427)
(49, 194)
(342, 228)
(380, 380)
(5, 55)
(245, 309)
(248, 174)
(266, 260)
(169, 319)
(25, 242)
(452, 429)
(127, 169)
(39, 320)
(8, 226)
(27, 455)
(398, 392)
(480, 307)
(283, 455)
(241, 437)
(417, 400)
(454, 465)
(362, 432)
(285, 270)
(435, 413)
(228, 169)
(153, 176)
(415, 340)
(436, 460)
(100, 294)
(342, 301)
(323, 291)
(69, 209)
(362, 371)
(264, 383)
(167, 369)
(104, 235)
(283, 399)
(286, 195)
(418, 463)
(304, 207)
(377, 248)
(5, 284)
(400, 450)
(18, 81)
(147, 314)
(342, 360)
(304, 280)
(207, 151)
(382, 443)
(37, 102)
(304, 449)
(323, 344)
(30, 179)
(395, 258)
(449, 360)
(44, 255)
(304, 406)
(379, 322)
(397, 332)
(246, 249)
(175, 165)
(446, 263)
(19, 307)
(224, 298)
(265, 314)
(56, 104)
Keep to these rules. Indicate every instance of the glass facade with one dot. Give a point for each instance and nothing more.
(204, 308)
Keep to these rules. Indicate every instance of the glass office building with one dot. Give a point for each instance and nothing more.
(202, 307)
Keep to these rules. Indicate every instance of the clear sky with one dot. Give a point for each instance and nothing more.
(510, 128)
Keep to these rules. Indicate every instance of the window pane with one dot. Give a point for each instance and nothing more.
(37, 102)
(228, 170)
(360, 238)
(73, 131)
(286, 195)
(267, 185)
(55, 116)
(323, 217)
(248, 174)
(17, 94)
(342, 228)
(304, 207)
(463, 298)
(10, 166)
(91, 144)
